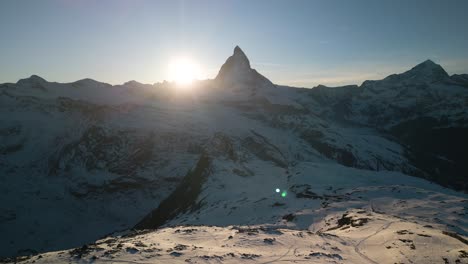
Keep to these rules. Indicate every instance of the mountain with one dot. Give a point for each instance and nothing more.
(236, 67)
(353, 165)
(426, 72)
(236, 70)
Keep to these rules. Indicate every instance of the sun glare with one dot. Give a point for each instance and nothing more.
(183, 71)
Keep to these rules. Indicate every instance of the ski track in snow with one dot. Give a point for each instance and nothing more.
(364, 256)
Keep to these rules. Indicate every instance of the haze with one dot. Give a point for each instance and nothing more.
(305, 44)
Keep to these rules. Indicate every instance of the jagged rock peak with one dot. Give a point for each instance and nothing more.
(237, 71)
(240, 56)
(236, 65)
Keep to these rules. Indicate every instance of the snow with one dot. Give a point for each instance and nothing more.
(369, 238)
(82, 160)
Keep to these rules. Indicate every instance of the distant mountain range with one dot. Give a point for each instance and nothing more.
(86, 159)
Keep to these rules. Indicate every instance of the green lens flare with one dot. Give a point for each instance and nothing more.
(284, 193)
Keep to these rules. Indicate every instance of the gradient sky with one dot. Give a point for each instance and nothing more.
(298, 43)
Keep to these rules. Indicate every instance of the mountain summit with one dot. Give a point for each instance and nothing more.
(236, 65)
(430, 70)
(32, 79)
(237, 70)
(423, 73)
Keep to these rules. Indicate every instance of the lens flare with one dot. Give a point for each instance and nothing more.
(284, 193)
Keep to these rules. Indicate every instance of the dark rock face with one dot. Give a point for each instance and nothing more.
(237, 64)
(342, 156)
(237, 70)
(120, 152)
(264, 150)
(338, 98)
(183, 198)
(436, 149)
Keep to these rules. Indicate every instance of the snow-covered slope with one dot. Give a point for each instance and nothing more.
(85, 159)
(375, 222)
(356, 236)
(423, 109)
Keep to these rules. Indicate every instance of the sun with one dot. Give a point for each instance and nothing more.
(183, 70)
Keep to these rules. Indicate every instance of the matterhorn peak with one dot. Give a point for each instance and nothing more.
(236, 65)
(237, 70)
(240, 57)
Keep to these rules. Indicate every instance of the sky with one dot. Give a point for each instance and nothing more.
(291, 42)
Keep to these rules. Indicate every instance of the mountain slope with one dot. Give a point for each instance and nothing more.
(353, 237)
(99, 158)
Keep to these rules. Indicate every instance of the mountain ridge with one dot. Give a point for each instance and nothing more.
(237, 69)
(98, 160)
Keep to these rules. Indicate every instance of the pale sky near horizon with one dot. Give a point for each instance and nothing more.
(298, 43)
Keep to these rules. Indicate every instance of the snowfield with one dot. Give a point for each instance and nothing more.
(356, 236)
(141, 173)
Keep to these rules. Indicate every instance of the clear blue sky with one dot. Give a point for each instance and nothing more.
(300, 43)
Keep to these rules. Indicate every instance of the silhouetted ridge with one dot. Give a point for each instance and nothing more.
(236, 65)
(429, 68)
(237, 70)
(425, 72)
(32, 79)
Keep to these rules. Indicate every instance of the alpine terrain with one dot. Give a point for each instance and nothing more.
(235, 170)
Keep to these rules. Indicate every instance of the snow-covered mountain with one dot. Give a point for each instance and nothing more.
(353, 165)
